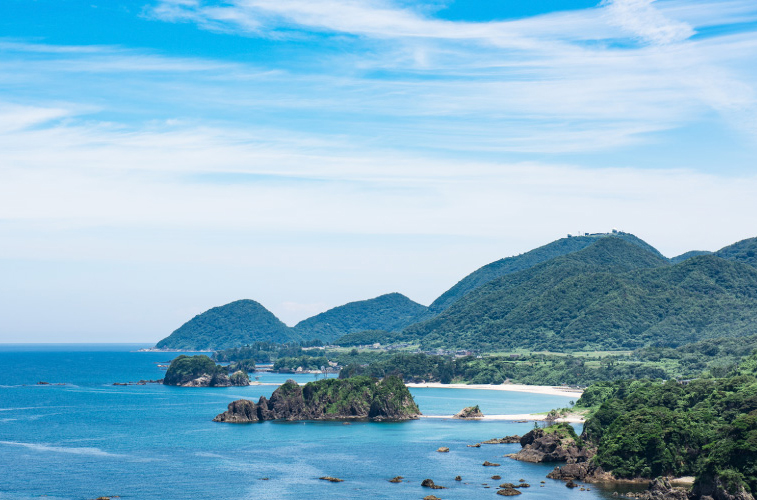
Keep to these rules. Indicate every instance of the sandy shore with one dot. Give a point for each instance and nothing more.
(535, 389)
(572, 418)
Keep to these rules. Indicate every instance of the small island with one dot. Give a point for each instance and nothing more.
(201, 371)
(359, 397)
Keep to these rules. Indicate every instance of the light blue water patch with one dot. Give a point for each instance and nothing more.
(89, 438)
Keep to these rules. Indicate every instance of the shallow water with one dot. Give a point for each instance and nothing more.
(89, 438)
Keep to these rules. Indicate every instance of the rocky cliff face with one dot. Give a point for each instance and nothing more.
(330, 399)
(557, 443)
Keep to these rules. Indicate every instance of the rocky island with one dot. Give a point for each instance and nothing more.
(201, 371)
(358, 397)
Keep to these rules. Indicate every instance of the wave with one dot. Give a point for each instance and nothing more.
(90, 451)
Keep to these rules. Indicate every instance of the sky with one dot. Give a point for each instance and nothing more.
(161, 157)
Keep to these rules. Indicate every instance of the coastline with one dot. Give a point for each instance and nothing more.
(534, 389)
(570, 418)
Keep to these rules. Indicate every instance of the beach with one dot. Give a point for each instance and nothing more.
(534, 389)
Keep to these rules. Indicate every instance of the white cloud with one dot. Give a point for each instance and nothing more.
(643, 20)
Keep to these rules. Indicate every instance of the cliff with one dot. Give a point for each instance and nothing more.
(329, 399)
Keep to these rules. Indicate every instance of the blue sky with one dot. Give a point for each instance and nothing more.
(161, 157)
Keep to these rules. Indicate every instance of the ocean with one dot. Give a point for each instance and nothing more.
(88, 438)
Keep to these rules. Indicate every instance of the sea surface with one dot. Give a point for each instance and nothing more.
(89, 438)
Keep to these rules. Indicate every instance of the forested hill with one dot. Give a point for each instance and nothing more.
(610, 295)
(743, 251)
(509, 265)
(390, 312)
(238, 323)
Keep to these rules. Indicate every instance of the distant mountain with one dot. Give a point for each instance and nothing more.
(232, 325)
(524, 261)
(610, 295)
(390, 312)
(743, 251)
(688, 255)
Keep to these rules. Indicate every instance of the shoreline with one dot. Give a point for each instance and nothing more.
(530, 417)
(534, 389)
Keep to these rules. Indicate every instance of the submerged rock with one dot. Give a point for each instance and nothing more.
(332, 479)
(396, 479)
(443, 449)
(489, 464)
(358, 397)
(470, 412)
(508, 492)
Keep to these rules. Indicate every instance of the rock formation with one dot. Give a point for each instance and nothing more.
(329, 399)
(557, 443)
(469, 412)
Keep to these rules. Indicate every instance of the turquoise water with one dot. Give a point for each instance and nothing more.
(89, 438)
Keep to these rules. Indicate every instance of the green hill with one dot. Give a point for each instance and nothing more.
(390, 312)
(510, 265)
(235, 324)
(688, 255)
(743, 251)
(610, 295)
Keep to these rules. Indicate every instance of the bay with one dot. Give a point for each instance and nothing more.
(88, 438)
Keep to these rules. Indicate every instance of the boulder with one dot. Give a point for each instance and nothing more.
(429, 483)
(443, 449)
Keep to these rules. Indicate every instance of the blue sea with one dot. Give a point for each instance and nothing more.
(88, 438)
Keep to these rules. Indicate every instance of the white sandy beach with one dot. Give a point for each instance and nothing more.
(535, 389)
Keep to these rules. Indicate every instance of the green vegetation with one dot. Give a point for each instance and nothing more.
(600, 292)
(260, 352)
(743, 251)
(367, 337)
(535, 369)
(355, 395)
(304, 362)
(390, 312)
(706, 428)
(238, 323)
(688, 255)
(611, 295)
(185, 368)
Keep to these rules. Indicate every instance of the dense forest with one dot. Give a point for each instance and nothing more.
(232, 325)
(705, 428)
(609, 296)
(599, 292)
(390, 312)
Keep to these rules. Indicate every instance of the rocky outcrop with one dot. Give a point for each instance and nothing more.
(661, 489)
(557, 443)
(329, 399)
(713, 488)
(583, 471)
(470, 412)
(503, 440)
(201, 371)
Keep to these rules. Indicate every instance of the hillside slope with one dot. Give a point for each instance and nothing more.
(390, 312)
(611, 295)
(231, 325)
(509, 265)
(742, 251)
